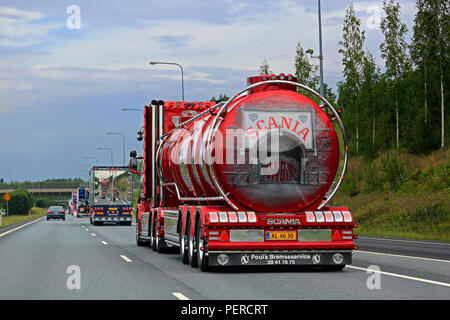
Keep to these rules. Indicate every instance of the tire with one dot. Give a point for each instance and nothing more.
(152, 235)
(139, 241)
(160, 245)
(192, 256)
(183, 246)
(202, 245)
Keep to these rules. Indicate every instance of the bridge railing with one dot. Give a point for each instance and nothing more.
(40, 186)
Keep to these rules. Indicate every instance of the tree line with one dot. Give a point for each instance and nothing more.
(399, 105)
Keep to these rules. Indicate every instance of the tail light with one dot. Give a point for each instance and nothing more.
(232, 217)
(62, 211)
(49, 211)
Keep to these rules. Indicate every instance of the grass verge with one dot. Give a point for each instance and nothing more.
(13, 219)
(424, 216)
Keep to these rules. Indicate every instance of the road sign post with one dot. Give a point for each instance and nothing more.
(7, 197)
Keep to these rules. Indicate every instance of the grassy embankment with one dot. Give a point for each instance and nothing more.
(406, 196)
(13, 219)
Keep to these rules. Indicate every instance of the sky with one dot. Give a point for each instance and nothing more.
(68, 67)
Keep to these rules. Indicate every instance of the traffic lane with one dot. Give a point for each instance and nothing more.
(285, 283)
(36, 259)
(419, 248)
(428, 268)
(122, 239)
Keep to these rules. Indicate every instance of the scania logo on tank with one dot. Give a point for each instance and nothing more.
(257, 123)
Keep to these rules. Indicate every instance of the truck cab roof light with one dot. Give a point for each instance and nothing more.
(273, 77)
(251, 217)
(223, 217)
(264, 77)
(290, 77)
(282, 76)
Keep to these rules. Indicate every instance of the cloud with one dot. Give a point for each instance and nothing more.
(173, 41)
(20, 28)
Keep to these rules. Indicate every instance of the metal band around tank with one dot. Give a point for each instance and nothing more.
(218, 120)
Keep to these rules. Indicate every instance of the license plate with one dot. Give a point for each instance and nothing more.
(281, 235)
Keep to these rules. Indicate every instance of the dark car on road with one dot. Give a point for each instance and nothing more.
(56, 212)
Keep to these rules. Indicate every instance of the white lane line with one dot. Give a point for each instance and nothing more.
(19, 227)
(180, 296)
(126, 258)
(401, 256)
(86, 229)
(444, 284)
(408, 241)
(105, 243)
(93, 234)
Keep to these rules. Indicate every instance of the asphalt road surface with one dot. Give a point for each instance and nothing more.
(74, 260)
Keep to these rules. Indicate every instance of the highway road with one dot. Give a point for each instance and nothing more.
(74, 260)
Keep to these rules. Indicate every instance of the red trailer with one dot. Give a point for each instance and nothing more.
(245, 182)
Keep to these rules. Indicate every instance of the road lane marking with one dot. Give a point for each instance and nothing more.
(19, 227)
(93, 234)
(180, 296)
(86, 229)
(126, 258)
(444, 284)
(401, 256)
(105, 243)
(410, 241)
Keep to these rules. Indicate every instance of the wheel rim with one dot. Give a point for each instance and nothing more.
(183, 245)
(191, 246)
(201, 243)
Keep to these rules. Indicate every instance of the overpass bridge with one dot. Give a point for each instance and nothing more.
(47, 191)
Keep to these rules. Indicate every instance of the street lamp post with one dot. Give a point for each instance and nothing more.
(320, 56)
(123, 145)
(110, 150)
(132, 109)
(93, 158)
(182, 73)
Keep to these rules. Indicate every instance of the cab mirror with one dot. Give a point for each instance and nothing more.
(133, 168)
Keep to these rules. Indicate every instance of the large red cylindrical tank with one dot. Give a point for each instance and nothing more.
(274, 151)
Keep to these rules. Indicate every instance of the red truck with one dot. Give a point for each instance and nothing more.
(245, 182)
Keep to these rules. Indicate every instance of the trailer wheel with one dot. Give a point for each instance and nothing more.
(201, 249)
(160, 245)
(183, 247)
(192, 257)
(152, 234)
(139, 241)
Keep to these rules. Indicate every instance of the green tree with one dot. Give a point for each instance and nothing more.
(21, 202)
(352, 58)
(264, 68)
(305, 71)
(394, 51)
(222, 98)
